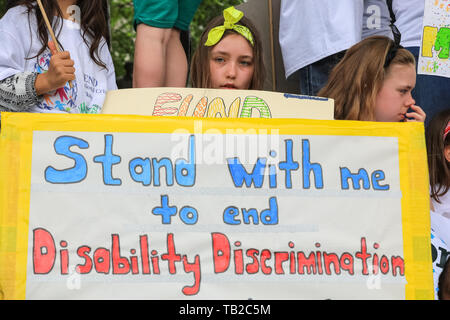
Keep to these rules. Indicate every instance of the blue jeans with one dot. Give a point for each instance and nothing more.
(432, 93)
(313, 77)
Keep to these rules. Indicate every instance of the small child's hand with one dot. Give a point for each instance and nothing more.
(417, 116)
(60, 70)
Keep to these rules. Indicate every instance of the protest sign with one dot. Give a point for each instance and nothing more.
(215, 103)
(136, 207)
(434, 51)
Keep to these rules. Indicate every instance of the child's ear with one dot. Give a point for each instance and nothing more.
(447, 153)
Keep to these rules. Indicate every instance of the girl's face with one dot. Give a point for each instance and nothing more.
(447, 153)
(394, 98)
(231, 63)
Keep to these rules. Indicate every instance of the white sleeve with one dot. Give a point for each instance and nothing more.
(18, 93)
(112, 84)
(12, 55)
(107, 59)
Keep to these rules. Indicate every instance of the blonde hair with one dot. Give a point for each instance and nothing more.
(356, 80)
(200, 75)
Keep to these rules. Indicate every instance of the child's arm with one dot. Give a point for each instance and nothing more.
(21, 91)
(17, 92)
(418, 115)
(59, 71)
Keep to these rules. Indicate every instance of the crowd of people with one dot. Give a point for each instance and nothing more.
(362, 54)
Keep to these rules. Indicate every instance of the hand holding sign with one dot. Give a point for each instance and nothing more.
(50, 30)
(60, 70)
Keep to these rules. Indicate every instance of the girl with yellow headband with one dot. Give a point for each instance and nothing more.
(229, 55)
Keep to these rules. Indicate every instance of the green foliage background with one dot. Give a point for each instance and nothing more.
(123, 33)
(207, 10)
(2, 7)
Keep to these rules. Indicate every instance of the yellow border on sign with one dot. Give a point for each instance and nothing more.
(16, 139)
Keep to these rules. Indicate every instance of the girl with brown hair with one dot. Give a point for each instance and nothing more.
(34, 75)
(229, 54)
(437, 135)
(438, 148)
(373, 82)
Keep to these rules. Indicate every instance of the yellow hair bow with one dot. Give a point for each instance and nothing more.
(232, 16)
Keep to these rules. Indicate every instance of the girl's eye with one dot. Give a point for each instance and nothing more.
(246, 63)
(219, 59)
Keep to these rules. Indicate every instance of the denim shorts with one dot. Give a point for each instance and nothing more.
(313, 77)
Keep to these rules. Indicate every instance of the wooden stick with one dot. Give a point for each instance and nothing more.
(50, 30)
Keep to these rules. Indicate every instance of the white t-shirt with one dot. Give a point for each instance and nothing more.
(311, 30)
(441, 226)
(440, 241)
(88, 91)
(442, 208)
(409, 20)
(440, 250)
(376, 19)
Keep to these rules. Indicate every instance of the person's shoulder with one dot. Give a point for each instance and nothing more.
(15, 14)
(20, 10)
(17, 23)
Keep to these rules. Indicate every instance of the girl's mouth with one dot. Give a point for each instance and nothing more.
(228, 86)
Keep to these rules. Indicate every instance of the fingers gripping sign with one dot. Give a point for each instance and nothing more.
(60, 71)
(61, 65)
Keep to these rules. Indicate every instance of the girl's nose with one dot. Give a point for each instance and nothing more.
(231, 70)
(411, 100)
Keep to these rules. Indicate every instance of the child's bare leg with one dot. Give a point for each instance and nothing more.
(177, 66)
(150, 56)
